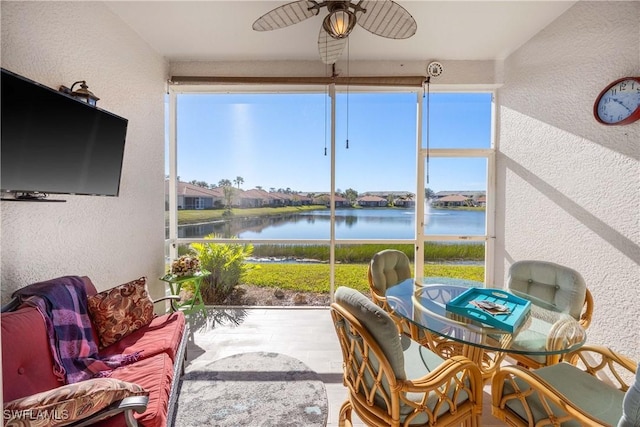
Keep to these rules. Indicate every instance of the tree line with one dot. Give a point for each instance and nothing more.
(349, 194)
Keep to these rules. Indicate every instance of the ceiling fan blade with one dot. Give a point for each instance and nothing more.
(285, 15)
(330, 49)
(386, 18)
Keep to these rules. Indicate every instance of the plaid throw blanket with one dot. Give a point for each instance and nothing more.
(62, 302)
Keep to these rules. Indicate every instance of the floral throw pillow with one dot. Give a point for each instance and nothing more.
(68, 403)
(121, 310)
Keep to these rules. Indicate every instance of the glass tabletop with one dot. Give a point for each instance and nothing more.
(423, 303)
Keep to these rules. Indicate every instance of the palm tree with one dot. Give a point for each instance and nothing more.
(224, 183)
(228, 199)
(239, 180)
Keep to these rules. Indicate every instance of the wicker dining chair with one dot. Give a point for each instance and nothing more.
(554, 287)
(392, 380)
(591, 387)
(386, 269)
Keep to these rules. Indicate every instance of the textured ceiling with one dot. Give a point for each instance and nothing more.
(447, 30)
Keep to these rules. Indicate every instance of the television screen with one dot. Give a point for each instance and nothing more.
(53, 143)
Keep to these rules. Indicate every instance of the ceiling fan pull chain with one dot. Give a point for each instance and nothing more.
(326, 95)
(348, 75)
(428, 81)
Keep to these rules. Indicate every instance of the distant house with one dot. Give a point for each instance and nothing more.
(191, 196)
(324, 199)
(304, 199)
(473, 198)
(278, 199)
(467, 193)
(452, 200)
(385, 194)
(404, 202)
(253, 198)
(372, 201)
(342, 202)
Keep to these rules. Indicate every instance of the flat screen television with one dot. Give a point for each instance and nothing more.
(53, 143)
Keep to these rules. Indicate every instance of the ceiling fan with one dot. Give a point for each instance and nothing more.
(384, 18)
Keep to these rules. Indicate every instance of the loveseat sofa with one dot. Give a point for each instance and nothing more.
(141, 390)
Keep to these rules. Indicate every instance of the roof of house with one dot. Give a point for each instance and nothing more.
(387, 193)
(191, 190)
(464, 193)
(453, 198)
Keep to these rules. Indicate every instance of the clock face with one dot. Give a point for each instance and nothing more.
(619, 103)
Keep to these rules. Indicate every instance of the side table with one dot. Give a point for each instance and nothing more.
(175, 285)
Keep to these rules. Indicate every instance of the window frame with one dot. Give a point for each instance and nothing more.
(422, 154)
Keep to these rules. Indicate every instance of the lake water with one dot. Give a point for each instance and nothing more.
(377, 223)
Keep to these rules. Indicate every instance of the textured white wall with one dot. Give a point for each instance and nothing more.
(568, 187)
(112, 240)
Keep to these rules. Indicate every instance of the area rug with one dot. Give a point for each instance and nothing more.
(252, 389)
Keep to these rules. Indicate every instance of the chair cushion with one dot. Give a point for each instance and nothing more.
(389, 267)
(410, 359)
(591, 395)
(119, 311)
(378, 323)
(162, 335)
(154, 375)
(631, 404)
(72, 402)
(549, 285)
(27, 365)
(419, 361)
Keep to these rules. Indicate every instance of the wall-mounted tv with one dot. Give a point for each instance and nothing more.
(53, 143)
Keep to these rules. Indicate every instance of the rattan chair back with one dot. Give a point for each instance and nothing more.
(380, 396)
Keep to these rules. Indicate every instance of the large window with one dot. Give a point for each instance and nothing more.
(457, 159)
(262, 167)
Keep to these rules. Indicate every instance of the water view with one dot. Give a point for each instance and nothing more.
(350, 224)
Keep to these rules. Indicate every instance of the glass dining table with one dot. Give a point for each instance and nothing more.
(422, 304)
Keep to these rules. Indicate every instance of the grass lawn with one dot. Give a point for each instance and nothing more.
(315, 277)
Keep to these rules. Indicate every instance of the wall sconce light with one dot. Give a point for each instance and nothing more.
(83, 94)
(340, 21)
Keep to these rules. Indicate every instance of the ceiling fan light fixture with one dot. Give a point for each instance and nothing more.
(339, 23)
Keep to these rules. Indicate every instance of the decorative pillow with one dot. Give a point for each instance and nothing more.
(119, 311)
(68, 403)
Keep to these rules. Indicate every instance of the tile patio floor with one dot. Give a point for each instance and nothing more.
(304, 333)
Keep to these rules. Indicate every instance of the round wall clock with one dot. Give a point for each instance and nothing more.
(619, 102)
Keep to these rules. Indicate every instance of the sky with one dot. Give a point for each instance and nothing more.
(278, 140)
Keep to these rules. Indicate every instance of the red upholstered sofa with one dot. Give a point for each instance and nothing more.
(140, 393)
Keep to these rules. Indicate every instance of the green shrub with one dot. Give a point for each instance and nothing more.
(226, 262)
